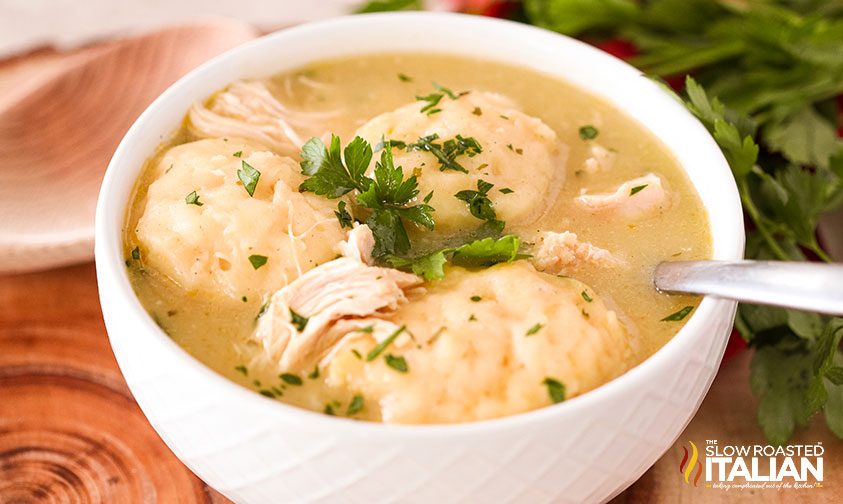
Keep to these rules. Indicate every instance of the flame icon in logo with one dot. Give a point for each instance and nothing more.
(686, 467)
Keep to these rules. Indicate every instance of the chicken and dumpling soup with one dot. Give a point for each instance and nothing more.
(413, 238)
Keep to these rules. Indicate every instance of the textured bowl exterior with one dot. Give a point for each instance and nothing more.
(256, 450)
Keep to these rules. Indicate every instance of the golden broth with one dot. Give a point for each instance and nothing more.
(216, 331)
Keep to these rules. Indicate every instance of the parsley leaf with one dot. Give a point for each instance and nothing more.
(588, 132)
(193, 199)
(299, 321)
(534, 329)
(555, 389)
(380, 347)
(291, 379)
(637, 189)
(447, 152)
(387, 196)
(249, 176)
(479, 203)
(257, 260)
(679, 315)
(478, 253)
(397, 363)
(328, 175)
(433, 99)
(345, 219)
(356, 405)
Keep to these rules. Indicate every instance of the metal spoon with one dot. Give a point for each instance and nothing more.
(815, 287)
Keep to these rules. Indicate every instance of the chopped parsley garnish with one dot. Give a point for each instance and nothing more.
(478, 253)
(257, 260)
(136, 253)
(555, 389)
(193, 199)
(479, 203)
(383, 143)
(249, 176)
(506, 190)
(388, 195)
(298, 321)
(404, 78)
(585, 296)
(242, 369)
(397, 363)
(505, 118)
(433, 99)
(365, 330)
(355, 406)
(677, 316)
(238, 153)
(477, 111)
(267, 393)
(448, 151)
(472, 318)
(637, 189)
(533, 330)
(314, 374)
(588, 132)
(245, 299)
(356, 353)
(380, 347)
(346, 221)
(476, 299)
(291, 379)
(329, 410)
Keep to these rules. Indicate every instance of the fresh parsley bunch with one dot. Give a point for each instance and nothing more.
(778, 65)
(334, 172)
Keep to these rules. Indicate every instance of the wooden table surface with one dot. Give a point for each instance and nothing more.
(70, 431)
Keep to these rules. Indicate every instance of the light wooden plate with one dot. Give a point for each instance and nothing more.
(60, 124)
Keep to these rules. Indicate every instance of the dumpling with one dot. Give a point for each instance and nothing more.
(520, 155)
(219, 247)
(480, 344)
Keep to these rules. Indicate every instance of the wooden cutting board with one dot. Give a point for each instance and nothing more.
(70, 431)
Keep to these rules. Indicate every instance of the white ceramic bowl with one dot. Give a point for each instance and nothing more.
(257, 450)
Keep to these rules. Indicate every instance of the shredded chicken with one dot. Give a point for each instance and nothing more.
(635, 199)
(330, 297)
(247, 109)
(560, 253)
(359, 244)
(601, 159)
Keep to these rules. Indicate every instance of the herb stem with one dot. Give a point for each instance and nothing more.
(755, 215)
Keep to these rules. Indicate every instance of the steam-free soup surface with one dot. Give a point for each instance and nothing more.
(595, 150)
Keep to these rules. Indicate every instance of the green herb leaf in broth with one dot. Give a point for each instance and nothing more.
(356, 405)
(588, 132)
(380, 347)
(679, 315)
(555, 389)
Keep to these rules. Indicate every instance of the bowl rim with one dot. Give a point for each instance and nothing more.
(727, 237)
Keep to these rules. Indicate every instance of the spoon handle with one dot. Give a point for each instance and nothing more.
(815, 287)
